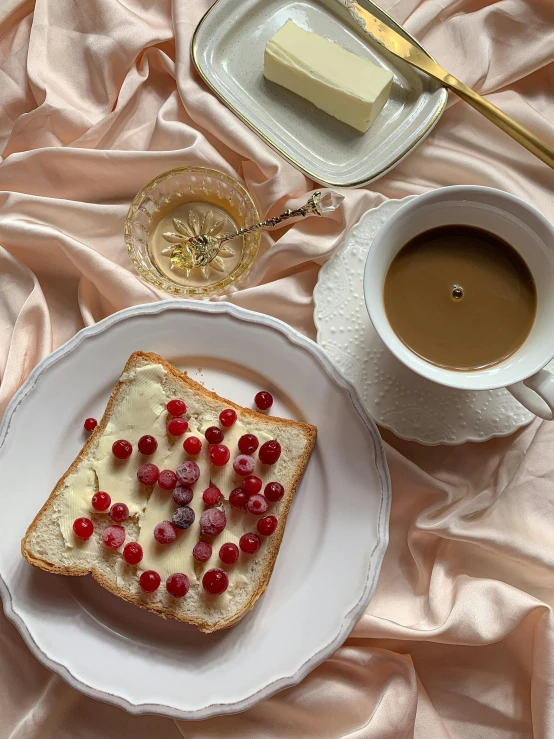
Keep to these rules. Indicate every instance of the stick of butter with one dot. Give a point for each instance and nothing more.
(342, 84)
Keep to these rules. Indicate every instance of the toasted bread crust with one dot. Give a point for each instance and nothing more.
(136, 359)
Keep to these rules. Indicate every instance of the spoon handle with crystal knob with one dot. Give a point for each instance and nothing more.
(316, 205)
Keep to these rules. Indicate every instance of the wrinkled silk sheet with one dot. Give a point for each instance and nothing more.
(96, 98)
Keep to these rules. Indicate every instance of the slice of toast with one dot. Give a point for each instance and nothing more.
(137, 407)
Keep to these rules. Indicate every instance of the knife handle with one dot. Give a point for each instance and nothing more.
(519, 133)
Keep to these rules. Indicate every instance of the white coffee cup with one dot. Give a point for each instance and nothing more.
(523, 227)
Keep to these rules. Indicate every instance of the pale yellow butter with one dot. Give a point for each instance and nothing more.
(338, 82)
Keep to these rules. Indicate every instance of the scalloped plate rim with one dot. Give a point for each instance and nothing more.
(376, 557)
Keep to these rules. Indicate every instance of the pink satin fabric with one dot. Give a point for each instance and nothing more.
(97, 97)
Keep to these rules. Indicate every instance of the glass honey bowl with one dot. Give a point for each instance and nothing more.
(191, 201)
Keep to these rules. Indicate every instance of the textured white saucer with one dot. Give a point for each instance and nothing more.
(398, 399)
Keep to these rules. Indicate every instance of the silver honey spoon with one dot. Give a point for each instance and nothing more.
(197, 245)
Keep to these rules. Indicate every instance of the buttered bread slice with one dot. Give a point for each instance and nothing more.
(178, 500)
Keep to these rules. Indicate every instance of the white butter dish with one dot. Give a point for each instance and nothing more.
(228, 51)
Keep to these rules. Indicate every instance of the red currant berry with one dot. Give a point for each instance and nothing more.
(257, 505)
(122, 449)
(269, 452)
(211, 496)
(113, 536)
(148, 474)
(147, 445)
(119, 512)
(83, 528)
(252, 484)
(177, 585)
(229, 553)
(167, 479)
(202, 551)
(192, 445)
(176, 407)
(274, 491)
(215, 581)
(250, 543)
(132, 553)
(219, 455)
(227, 417)
(101, 501)
(177, 426)
(238, 497)
(248, 444)
(263, 400)
(90, 424)
(165, 532)
(212, 522)
(267, 525)
(188, 473)
(244, 465)
(182, 495)
(214, 435)
(149, 581)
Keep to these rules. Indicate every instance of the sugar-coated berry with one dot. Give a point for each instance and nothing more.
(248, 443)
(250, 543)
(214, 435)
(177, 426)
(90, 424)
(188, 473)
(148, 474)
(147, 444)
(149, 581)
(267, 525)
(263, 400)
(227, 417)
(182, 494)
(101, 501)
(176, 407)
(177, 585)
(244, 465)
(229, 553)
(167, 479)
(211, 496)
(202, 551)
(192, 445)
(122, 449)
(269, 452)
(215, 581)
(119, 512)
(132, 553)
(183, 517)
(257, 505)
(274, 491)
(238, 497)
(113, 536)
(83, 528)
(165, 532)
(212, 522)
(219, 455)
(252, 484)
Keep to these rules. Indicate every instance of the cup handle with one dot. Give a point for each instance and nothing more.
(536, 393)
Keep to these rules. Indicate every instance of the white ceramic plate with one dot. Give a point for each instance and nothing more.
(331, 553)
(228, 50)
(398, 399)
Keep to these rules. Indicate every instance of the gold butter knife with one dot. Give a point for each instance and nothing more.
(404, 49)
